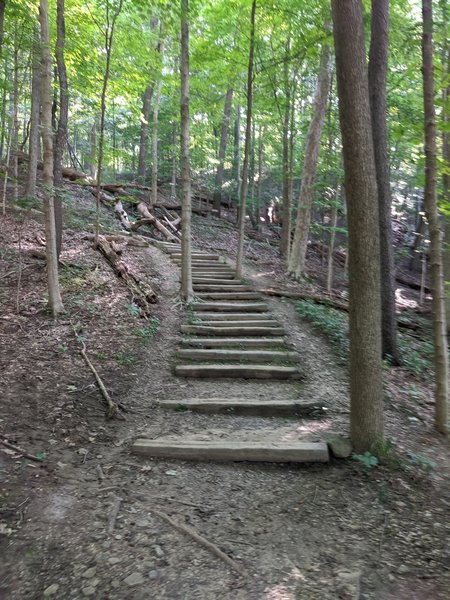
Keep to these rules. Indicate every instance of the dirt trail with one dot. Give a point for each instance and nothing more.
(302, 533)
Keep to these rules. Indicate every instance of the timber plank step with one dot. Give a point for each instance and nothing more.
(205, 287)
(247, 407)
(230, 306)
(199, 255)
(232, 342)
(222, 450)
(237, 323)
(212, 316)
(218, 281)
(204, 263)
(212, 275)
(231, 331)
(238, 355)
(237, 371)
(229, 295)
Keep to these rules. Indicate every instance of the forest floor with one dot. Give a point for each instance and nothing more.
(80, 523)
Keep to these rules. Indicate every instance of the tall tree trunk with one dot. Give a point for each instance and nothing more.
(296, 264)
(109, 36)
(145, 118)
(15, 114)
(285, 241)
(2, 20)
(30, 186)
(260, 172)
(222, 150)
(173, 186)
(237, 157)
(333, 223)
(93, 149)
(54, 295)
(431, 212)
(3, 114)
(187, 292)
(366, 391)
(446, 186)
(378, 62)
(61, 133)
(248, 139)
(154, 193)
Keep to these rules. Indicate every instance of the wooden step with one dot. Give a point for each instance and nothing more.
(231, 331)
(205, 287)
(247, 407)
(230, 306)
(237, 371)
(197, 255)
(230, 342)
(222, 450)
(233, 316)
(266, 356)
(229, 295)
(218, 268)
(230, 275)
(237, 323)
(205, 263)
(212, 281)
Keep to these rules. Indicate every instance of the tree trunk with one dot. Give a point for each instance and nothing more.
(378, 62)
(109, 36)
(15, 114)
(446, 181)
(248, 139)
(2, 20)
(61, 134)
(259, 186)
(431, 212)
(93, 149)
(187, 292)
(366, 391)
(296, 265)
(30, 187)
(54, 295)
(173, 185)
(286, 225)
(154, 194)
(222, 150)
(333, 223)
(237, 156)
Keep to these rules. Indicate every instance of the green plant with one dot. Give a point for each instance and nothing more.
(133, 309)
(331, 322)
(124, 359)
(386, 453)
(425, 463)
(148, 331)
(367, 459)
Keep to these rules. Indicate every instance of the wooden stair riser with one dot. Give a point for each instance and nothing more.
(204, 263)
(265, 356)
(236, 323)
(231, 276)
(212, 316)
(232, 331)
(229, 296)
(243, 407)
(196, 256)
(229, 306)
(212, 281)
(202, 287)
(237, 371)
(238, 343)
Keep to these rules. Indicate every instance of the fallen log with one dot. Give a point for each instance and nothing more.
(152, 220)
(122, 215)
(143, 295)
(135, 240)
(203, 212)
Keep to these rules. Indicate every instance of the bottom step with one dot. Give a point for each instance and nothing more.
(298, 452)
(253, 407)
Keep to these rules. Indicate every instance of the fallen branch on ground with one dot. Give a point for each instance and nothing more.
(200, 540)
(19, 450)
(113, 515)
(113, 408)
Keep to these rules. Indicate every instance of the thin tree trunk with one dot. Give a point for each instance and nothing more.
(3, 115)
(366, 391)
(333, 223)
(15, 115)
(54, 295)
(109, 36)
(154, 192)
(285, 241)
(248, 139)
(2, 20)
(252, 210)
(187, 292)
(222, 150)
(173, 191)
(237, 158)
(378, 62)
(30, 187)
(431, 211)
(61, 133)
(259, 186)
(296, 264)
(93, 149)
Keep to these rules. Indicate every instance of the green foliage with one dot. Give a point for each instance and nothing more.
(125, 359)
(331, 322)
(367, 459)
(149, 330)
(133, 309)
(425, 463)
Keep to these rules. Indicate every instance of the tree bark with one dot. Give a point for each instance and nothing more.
(248, 139)
(222, 150)
(54, 295)
(61, 133)
(296, 264)
(187, 292)
(378, 62)
(237, 156)
(30, 186)
(431, 212)
(109, 36)
(366, 391)
(333, 223)
(154, 194)
(2, 20)
(286, 224)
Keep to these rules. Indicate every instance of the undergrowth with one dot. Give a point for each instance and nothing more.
(416, 353)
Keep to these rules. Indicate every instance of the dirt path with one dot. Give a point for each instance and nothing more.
(302, 533)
